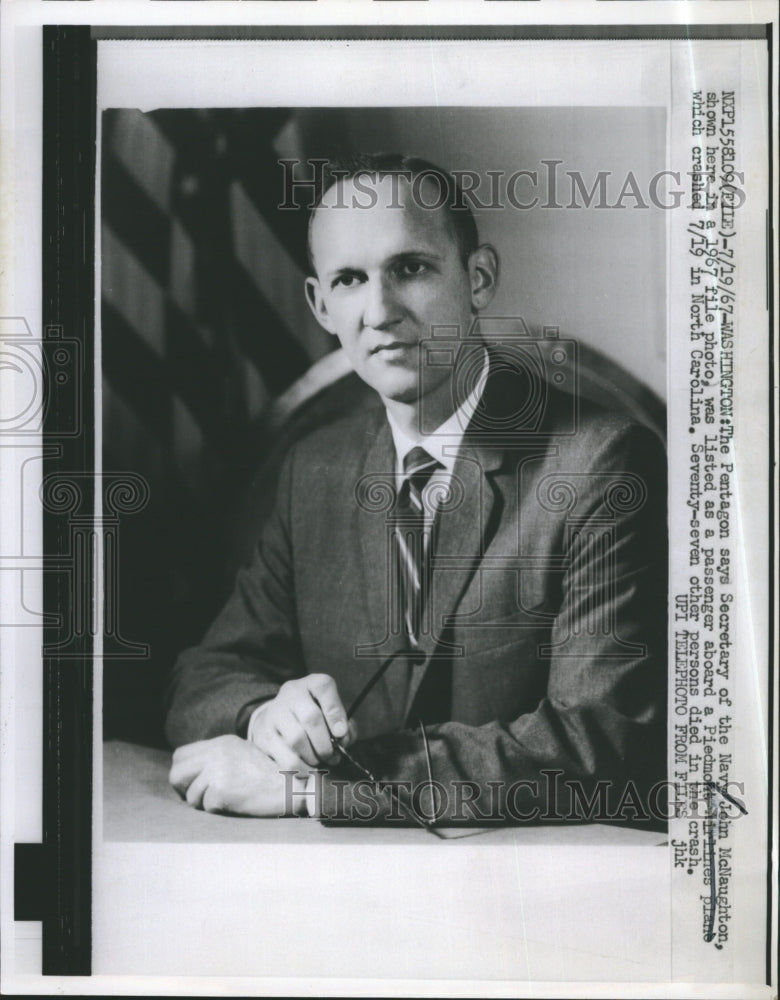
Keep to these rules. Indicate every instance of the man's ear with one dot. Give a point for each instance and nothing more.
(483, 275)
(317, 305)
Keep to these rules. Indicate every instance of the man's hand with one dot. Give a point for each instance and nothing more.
(295, 728)
(228, 774)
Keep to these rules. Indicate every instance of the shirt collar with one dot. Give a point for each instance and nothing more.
(443, 443)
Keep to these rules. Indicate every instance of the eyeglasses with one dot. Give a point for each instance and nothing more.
(412, 656)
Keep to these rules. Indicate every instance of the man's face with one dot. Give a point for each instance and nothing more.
(385, 276)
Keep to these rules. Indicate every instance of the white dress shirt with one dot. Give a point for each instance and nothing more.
(443, 443)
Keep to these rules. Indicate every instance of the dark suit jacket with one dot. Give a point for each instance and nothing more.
(548, 603)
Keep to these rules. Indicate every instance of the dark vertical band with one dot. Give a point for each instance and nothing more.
(771, 914)
(69, 114)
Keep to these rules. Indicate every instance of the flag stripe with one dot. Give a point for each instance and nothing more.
(133, 292)
(140, 146)
(136, 219)
(135, 372)
(266, 340)
(275, 274)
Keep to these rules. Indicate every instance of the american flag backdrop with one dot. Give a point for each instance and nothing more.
(205, 333)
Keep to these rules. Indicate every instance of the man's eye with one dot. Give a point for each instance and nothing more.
(413, 268)
(346, 281)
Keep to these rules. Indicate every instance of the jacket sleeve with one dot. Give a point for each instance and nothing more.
(597, 740)
(250, 649)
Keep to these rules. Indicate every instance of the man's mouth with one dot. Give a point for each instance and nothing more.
(393, 346)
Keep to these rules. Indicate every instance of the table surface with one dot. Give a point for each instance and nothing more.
(140, 806)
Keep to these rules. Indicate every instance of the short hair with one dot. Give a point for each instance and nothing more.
(451, 195)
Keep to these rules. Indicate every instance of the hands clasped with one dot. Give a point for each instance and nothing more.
(292, 732)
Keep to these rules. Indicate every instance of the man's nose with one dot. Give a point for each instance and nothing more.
(381, 306)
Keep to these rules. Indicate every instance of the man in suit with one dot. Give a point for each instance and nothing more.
(501, 541)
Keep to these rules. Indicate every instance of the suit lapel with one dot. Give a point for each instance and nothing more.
(461, 536)
(463, 532)
(375, 497)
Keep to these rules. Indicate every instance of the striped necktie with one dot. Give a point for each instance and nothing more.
(414, 517)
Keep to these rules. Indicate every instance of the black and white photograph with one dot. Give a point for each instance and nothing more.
(500, 617)
(391, 441)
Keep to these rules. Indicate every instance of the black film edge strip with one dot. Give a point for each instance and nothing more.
(53, 880)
